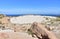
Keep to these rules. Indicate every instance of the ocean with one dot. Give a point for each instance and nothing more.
(33, 14)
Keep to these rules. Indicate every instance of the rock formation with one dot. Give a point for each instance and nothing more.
(41, 32)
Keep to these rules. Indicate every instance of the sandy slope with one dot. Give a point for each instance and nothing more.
(15, 35)
(29, 19)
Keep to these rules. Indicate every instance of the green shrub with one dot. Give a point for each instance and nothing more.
(58, 19)
(1, 16)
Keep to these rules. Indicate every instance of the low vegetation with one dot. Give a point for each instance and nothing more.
(1, 16)
(30, 32)
(58, 19)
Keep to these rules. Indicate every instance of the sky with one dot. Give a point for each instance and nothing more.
(30, 7)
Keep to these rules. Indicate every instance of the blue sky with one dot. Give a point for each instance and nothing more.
(29, 6)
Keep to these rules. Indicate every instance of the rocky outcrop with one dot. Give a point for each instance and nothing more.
(41, 32)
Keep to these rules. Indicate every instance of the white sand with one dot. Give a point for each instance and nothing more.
(28, 19)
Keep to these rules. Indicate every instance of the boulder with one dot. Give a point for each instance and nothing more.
(41, 32)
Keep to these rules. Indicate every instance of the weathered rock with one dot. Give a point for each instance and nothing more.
(50, 28)
(41, 32)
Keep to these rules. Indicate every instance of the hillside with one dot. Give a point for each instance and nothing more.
(23, 23)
